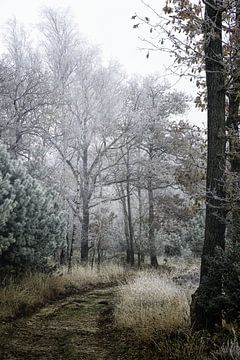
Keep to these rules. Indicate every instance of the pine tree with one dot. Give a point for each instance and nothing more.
(31, 223)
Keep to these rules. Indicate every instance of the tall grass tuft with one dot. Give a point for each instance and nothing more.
(31, 292)
(229, 351)
(149, 304)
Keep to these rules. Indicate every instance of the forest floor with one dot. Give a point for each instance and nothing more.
(77, 327)
(80, 326)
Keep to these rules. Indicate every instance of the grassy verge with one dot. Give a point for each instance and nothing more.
(152, 316)
(149, 304)
(34, 291)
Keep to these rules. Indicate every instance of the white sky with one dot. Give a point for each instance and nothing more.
(107, 23)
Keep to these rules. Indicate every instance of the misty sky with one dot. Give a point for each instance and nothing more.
(107, 23)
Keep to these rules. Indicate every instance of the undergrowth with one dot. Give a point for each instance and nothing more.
(152, 316)
(149, 304)
(33, 291)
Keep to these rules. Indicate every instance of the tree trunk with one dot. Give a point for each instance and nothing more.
(151, 232)
(126, 224)
(130, 225)
(233, 123)
(128, 252)
(74, 231)
(84, 233)
(233, 131)
(63, 258)
(140, 238)
(99, 254)
(73, 240)
(205, 313)
(85, 209)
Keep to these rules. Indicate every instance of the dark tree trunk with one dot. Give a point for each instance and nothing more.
(151, 232)
(99, 253)
(205, 313)
(129, 210)
(233, 124)
(151, 220)
(63, 258)
(128, 252)
(84, 234)
(85, 209)
(140, 238)
(72, 242)
(64, 254)
(130, 225)
(126, 227)
(233, 130)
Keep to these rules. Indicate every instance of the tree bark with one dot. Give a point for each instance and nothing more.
(75, 220)
(130, 225)
(233, 129)
(151, 220)
(84, 234)
(85, 204)
(204, 311)
(151, 232)
(140, 238)
(125, 217)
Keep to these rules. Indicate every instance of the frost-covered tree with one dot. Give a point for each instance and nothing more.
(82, 130)
(158, 103)
(209, 40)
(150, 156)
(24, 95)
(31, 221)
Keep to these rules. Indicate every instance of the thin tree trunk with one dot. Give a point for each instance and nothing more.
(140, 215)
(151, 220)
(205, 313)
(130, 224)
(84, 233)
(93, 259)
(125, 218)
(99, 252)
(85, 210)
(151, 232)
(75, 220)
(126, 231)
(73, 240)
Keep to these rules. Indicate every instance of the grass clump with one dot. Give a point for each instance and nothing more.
(31, 292)
(228, 351)
(149, 304)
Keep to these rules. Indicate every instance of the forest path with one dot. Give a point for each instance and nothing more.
(74, 328)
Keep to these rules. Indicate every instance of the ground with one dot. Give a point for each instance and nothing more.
(77, 327)
(80, 326)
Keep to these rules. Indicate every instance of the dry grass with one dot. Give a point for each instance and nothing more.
(229, 351)
(82, 276)
(33, 291)
(150, 304)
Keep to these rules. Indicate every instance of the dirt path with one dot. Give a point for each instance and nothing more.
(73, 328)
